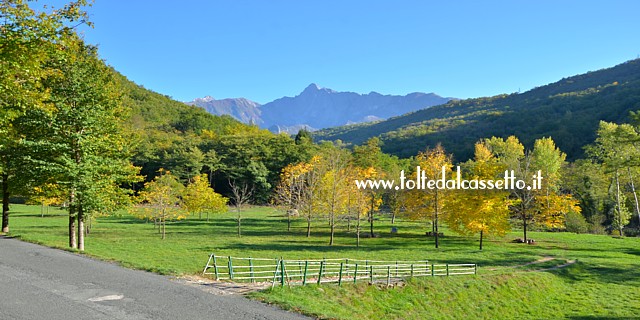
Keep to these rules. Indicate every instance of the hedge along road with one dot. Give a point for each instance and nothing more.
(42, 283)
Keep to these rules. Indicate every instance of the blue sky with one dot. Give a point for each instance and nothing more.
(263, 50)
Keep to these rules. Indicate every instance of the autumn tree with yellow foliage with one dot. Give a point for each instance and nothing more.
(198, 197)
(332, 189)
(161, 200)
(362, 202)
(430, 203)
(482, 211)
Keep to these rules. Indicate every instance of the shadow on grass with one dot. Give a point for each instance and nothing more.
(596, 317)
(580, 271)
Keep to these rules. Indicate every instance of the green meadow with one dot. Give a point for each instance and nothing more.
(564, 275)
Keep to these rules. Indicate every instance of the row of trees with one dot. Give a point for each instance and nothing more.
(324, 188)
(165, 198)
(60, 116)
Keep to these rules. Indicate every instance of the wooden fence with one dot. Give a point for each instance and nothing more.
(301, 272)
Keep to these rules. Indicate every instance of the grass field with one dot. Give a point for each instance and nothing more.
(604, 281)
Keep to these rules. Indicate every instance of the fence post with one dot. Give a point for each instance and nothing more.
(215, 267)
(230, 269)
(475, 268)
(447, 269)
(304, 277)
(207, 265)
(355, 275)
(432, 271)
(282, 272)
(320, 271)
(388, 275)
(396, 268)
(340, 274)
(371, 273)
(412, 270)
(251, 270)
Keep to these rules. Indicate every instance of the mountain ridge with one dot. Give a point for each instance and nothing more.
(319, 107)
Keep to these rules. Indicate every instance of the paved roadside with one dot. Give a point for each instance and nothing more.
(37, 282)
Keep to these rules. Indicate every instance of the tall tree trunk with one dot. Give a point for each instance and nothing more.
(308, 226)
(524, 226)
(635, 195)
(393, 216)
(371, 224)
(480, 239)
(80, 229)
(288, 221)
(358, 231)
(373, 199)
(5, 203)
(618, 204)
(332, 222)
(435, 220)
(73, 243)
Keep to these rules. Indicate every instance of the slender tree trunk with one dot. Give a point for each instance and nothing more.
(332, 229)
(635, 195)
(331, 225)
(524, 226)
(371, 224)
(358, 231)
(371, 214)
(164, 228)
(288, 221)
(435, 220)
(73, 242)
(239, 223)
(5, 203)
(618, 204)
(80, 229)
(308, 226)
(480, 239)
(393, 216)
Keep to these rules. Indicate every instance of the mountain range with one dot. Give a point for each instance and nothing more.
(316, 107)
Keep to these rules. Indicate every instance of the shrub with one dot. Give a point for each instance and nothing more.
(575, 222)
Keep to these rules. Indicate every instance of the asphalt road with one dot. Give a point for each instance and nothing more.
(42, 283)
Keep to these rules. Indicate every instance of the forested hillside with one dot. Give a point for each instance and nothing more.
(568, 110)
(187, 140)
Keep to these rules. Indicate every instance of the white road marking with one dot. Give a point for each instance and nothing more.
(107, 298)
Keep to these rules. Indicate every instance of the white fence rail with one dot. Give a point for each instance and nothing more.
(301, 272)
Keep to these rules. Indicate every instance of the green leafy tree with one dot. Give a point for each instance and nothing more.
(545, 204)
(28, 39)
(616, 148)
(85, 144)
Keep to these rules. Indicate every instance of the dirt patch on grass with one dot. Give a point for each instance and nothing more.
(222, 287)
